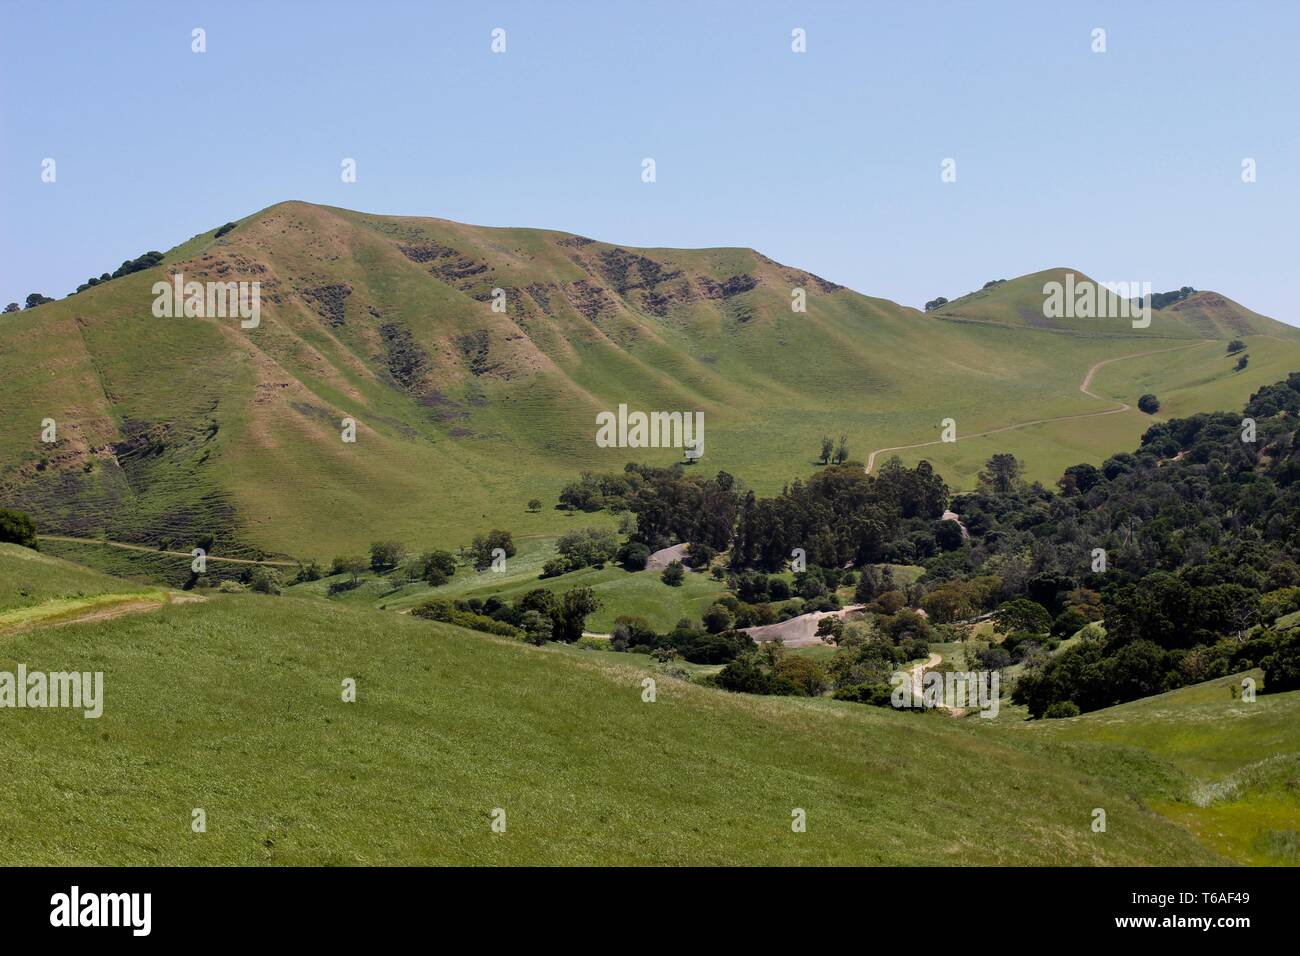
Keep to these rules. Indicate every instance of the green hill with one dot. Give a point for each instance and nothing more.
(233, 706)
(174, 429)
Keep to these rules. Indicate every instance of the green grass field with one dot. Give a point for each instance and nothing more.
(234, 706)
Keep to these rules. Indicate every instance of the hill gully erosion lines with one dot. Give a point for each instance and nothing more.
(1083, 387)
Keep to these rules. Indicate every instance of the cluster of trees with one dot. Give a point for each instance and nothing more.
(138, 264)
(588, 547)
(832, 451)
(843, 516)
(537, 617)
(33, 300)
(1161, 299)
(935, 303)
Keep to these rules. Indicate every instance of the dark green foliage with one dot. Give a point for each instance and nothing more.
(223, 230)
(385, 555)
(674, 574)
(935, 303)
(1149, 403)
(17, 528)
(480, 551)
(449, 613)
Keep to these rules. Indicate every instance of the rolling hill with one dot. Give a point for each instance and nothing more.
(174, 429)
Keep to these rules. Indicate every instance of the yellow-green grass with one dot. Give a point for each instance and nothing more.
(233, 706)
(33, 584)
(1234, 764)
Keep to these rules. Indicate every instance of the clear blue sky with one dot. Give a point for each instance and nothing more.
(1126, 164)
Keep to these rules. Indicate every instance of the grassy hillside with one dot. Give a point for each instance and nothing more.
(180, 428)
(1231, 768)
(39, 588)
(233, 706)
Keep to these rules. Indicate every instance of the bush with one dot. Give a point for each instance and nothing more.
(718, 619)
(1149, 403)
(878, 695)
(557, 566)
(231, 587)
(634, 555)
(448, 613)
(17, 528)
(674, 574)
(1062, 708)
(223, 230)
(264, 581)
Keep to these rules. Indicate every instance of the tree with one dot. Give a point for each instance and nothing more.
(571, 615)
(935, 303)
(828, 446)
(1079, 479)
(1022, 615)
(1243, 362)
(718, 619)
(1149, 403)
(1235, 346)
(1001, 474)
(535, 504)
(674, 574)
(17, 528)
(483, 545)
(842, 449)
(353, 567)
(537, 627)
(435, 567)
(385, 555)
(13, 307)
(36, 299)
(947, 535)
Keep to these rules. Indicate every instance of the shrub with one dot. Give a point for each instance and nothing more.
(718, 619)
(17, 528)
(674, 574)
(634, 555)
(1149, 403)
(878, 695)
(231, 587)
(264, 581)
(448, 613)
(223, 230)
(1062, 708)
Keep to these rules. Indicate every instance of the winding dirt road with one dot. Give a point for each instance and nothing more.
(1083, 387)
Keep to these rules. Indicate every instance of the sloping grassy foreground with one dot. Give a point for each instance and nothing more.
(234, 706)
(1229, 768)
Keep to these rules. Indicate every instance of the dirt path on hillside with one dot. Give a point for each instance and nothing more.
(1083, 387)
(105, 612)
(179, 554)
(798, 631)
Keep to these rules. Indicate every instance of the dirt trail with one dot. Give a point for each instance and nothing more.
(105, 612)
(179, 554)
(1083, 387)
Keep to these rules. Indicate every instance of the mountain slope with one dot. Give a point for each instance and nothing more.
(181, 428)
